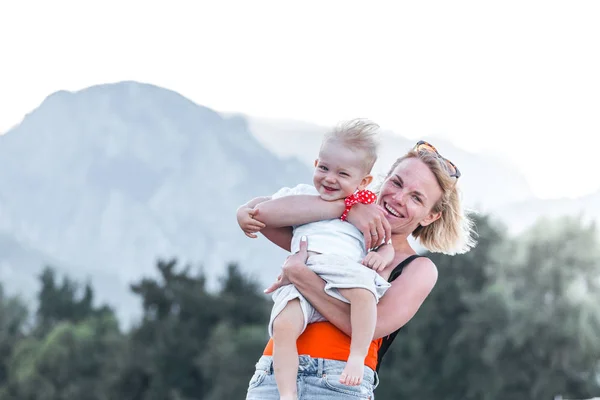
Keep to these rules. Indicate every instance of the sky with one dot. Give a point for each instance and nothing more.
(517, 79)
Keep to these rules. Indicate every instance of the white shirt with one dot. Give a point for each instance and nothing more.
(332, 236)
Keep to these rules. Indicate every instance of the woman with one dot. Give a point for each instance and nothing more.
(419, 197)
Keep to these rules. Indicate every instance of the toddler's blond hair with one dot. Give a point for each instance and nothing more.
(357, 134)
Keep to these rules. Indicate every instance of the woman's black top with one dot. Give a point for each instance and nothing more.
(387, 341)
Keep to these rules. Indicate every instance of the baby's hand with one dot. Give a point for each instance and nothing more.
(246, 221)
(374, 261)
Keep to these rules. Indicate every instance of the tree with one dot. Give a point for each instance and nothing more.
(238, 339)
(73, 361)
(172, 351)
(63, 302)
(513, 318)
(424, 357)
(546, 341)
(13, 320)
(228, 363)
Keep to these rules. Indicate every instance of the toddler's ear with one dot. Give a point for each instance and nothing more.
(316, 162)
(366, 181)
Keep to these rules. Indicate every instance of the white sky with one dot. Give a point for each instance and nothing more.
(518, 78)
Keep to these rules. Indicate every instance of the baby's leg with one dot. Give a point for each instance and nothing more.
(287, 326)
(363, 316)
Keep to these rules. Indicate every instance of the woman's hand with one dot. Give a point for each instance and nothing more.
(370, 220)
(291, 264)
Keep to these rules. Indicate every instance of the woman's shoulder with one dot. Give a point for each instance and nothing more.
(422, 269)
(411, 258)
(418, 267)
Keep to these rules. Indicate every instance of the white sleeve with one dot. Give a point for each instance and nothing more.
(299, 189)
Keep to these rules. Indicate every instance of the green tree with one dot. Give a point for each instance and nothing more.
(241, 300)
(424, 362)
(513, 318)
(73, 361)
(13, 324)
(229, 361)
(63, 302)
(172, 351)
(178, 315)
(239, 338)
(543, 338)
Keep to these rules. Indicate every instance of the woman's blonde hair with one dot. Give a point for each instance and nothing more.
(453, 232)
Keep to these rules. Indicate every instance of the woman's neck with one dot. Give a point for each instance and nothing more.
(401, 245)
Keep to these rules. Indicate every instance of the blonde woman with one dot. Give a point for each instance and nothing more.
(419, 197)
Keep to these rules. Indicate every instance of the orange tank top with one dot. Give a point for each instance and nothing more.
(324, 340)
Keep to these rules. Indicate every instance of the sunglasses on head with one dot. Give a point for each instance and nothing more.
(427, 147)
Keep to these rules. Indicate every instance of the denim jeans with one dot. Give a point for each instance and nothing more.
(318, 378)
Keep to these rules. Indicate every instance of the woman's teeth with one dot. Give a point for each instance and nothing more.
(392, 211)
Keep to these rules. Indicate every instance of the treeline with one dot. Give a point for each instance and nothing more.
(516, 318)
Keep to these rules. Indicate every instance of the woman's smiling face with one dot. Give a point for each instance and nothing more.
(409, 195)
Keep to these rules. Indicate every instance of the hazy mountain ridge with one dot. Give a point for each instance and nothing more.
(113, 176)
(102, 181)
(489, 184)
(518, 216)
(502, 183)
(19, 266)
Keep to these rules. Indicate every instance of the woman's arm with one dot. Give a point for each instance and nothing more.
(406, 295)
(399, 304)
(282, 237)
(312, 288)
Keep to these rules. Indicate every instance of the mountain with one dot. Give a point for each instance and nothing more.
(114, 176)
(489, 185)
(486, 182)
(101, 182)
(20, 266)
(520, 215)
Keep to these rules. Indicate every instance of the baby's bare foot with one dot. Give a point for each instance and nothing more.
(353, 372)
(289, 397)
